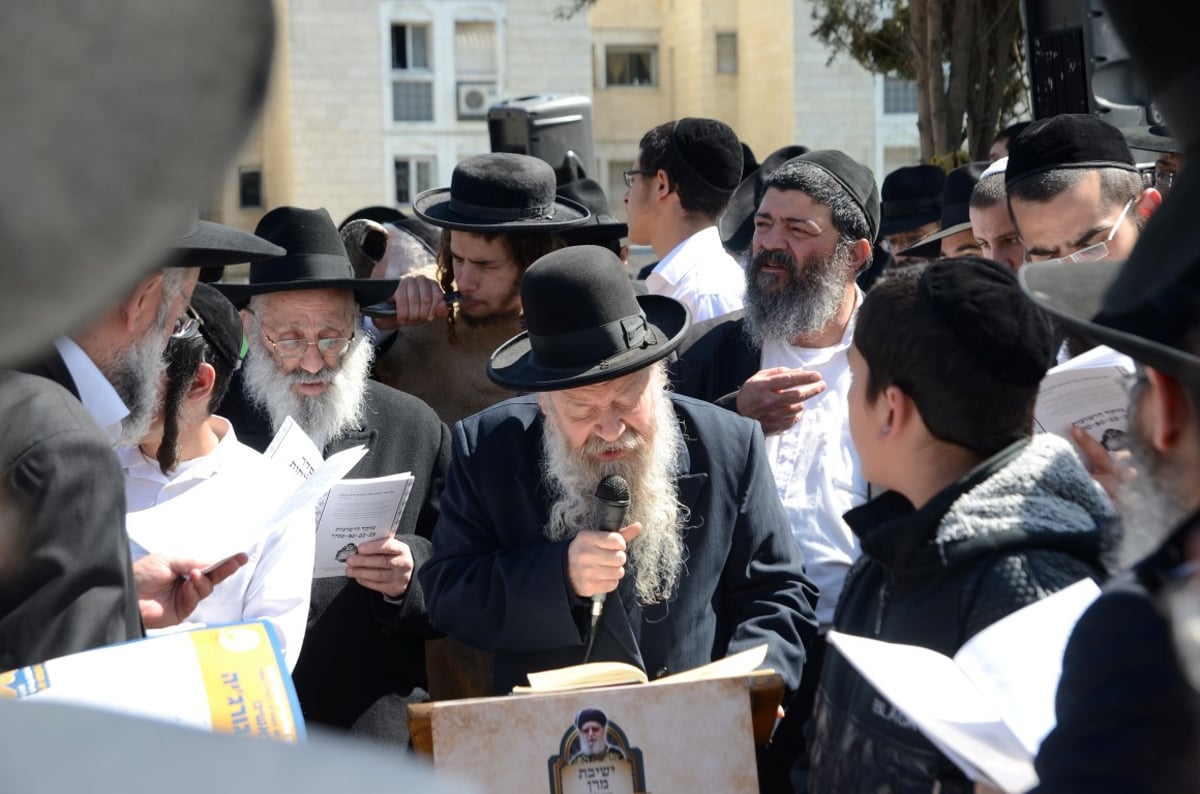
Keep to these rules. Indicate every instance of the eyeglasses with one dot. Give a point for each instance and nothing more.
(1096, 251)
(629, 173)
(188, 324)
(329, 347)
(1164, 180)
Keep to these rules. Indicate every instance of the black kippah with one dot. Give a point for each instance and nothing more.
(220, 324)
(1071, 140)
(981, 302)
(705, 156)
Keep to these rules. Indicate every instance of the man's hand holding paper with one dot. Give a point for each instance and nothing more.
(384, 565)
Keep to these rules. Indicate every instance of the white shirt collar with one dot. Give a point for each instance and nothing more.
(98, 396)
(676, 263)
(137, 464)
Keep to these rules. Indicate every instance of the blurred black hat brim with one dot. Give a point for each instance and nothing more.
(214, 244)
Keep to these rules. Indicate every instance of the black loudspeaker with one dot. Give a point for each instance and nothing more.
(557, 129)
(1077, 64)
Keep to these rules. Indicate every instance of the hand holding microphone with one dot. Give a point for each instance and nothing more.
(596, 560)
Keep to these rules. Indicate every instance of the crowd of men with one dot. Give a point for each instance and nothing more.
(820, 399)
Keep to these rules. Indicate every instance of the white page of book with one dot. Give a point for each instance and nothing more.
(1088, 391)
(292, 447)
(357, 511)
(940, 700)
(1016, 662)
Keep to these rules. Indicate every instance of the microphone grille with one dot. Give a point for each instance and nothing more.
(613, 488)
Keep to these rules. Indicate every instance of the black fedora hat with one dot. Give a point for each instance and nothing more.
(911, 196)
(118, 121)
(316, 259)
(603, 225)
(956, 200)
(1152, 138)
(737, 221)
(500, 192)
(584, 324)
(208, 244)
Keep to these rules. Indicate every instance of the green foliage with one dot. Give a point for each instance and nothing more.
(873, 32)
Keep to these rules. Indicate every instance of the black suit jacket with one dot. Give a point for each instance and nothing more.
(363, 659)
(69, 585)
(495, 582)
(715, 359)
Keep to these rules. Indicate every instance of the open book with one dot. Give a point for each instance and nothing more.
(354, 511)
(226, 679)
(601, 674)
(989, 708)
(1088, 391)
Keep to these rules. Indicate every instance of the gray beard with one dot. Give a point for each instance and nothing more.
(325, 417)
(805, 302)
(1150, 508)
(136, 374)
(657, 555)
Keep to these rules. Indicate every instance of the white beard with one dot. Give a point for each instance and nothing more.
(324, 417)
(136, 374)
(657, 554)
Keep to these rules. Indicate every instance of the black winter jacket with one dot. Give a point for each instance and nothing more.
(1023, 524)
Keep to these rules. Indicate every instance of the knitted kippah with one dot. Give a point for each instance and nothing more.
(981, 302)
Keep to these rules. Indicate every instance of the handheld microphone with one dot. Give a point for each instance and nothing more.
(612, 503)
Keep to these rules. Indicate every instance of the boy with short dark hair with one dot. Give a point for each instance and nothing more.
(981, 516)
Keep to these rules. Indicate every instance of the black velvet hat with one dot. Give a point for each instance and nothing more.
(119, 120)
(500, 192)
(956, 200)
(603, 225)
(584, 324)
(1070, 140)
(705, 157)
(853, 176)
(220, 324)
(982, 303)
(208, 244)
(315, 259)
(912, 197)
(737, 222)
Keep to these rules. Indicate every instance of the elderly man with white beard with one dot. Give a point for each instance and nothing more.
(704, 566)
(363, 657)
(784, 362)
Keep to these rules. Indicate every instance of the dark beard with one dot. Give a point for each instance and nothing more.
(800, 302)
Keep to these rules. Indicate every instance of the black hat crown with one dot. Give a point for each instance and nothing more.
(584, 324)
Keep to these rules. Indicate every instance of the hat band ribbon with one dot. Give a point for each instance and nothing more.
(500, 213)
(593, 346)
(906, 207)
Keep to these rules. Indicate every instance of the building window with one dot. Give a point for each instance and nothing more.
(413, 176)
(631, 65)
(899, 96)
(475, 68)
(250, 188)
(726, 53)
(412, 76)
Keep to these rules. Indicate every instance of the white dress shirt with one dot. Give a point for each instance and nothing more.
(701, 274)
(99, 398)
(277, 581)
(816, 467)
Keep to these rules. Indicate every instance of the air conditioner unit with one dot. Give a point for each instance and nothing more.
(475, 98)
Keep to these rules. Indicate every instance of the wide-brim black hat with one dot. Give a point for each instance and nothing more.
(736, 224)
(602, 226)
(209, 244)
(1144, 307)
(119, 120)
(1153, 138)
(500, 192)
(956, 204)
(911, 196)
(316, 259)
(584, 324)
